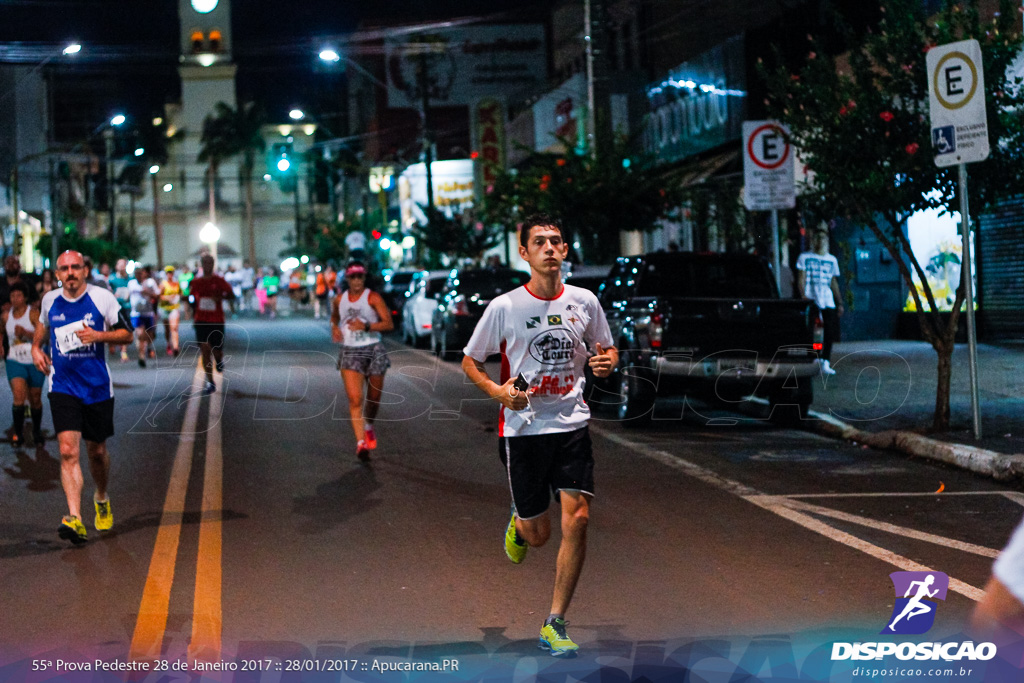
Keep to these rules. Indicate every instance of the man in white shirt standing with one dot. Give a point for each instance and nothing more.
(543, 330)
(817, 279)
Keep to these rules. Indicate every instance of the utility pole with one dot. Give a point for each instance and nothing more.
(158, 229)
(427, 143)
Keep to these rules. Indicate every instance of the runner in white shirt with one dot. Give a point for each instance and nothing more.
(543, 331)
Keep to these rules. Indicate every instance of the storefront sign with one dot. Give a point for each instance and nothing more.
(464, 64)
(699, 105)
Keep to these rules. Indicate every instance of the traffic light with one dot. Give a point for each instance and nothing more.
(282, 165)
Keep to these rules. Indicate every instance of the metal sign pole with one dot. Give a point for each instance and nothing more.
(966, 272)
(776, 257)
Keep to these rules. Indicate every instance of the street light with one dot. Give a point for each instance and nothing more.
(72, 49)
(330, 55)
(210, 233)
(108, 137)
(296, 115)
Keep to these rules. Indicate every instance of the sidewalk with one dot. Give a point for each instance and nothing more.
(883, 394)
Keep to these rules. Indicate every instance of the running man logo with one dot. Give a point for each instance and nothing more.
(554, 320)
(914, 612)
(533, 322)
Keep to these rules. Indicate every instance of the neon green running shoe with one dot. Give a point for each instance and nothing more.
(104, 516)
(72, 529)
(554, 638)
(515, 550)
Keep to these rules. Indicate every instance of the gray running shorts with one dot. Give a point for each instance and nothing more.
(366, 360)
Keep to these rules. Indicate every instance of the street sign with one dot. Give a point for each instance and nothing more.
(767, 167)
(956, 93)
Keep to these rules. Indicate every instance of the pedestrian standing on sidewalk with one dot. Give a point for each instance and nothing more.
(358, 316)
(543, 330)
(817, 279)
(79, 319)
(210, 291)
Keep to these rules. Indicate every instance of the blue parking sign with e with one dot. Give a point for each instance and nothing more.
(944, 139)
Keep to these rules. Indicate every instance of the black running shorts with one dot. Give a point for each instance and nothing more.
(209, 333)
(94, 420)
(539, 466)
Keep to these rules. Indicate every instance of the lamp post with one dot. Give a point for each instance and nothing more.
(68, 50)
(210, 233)
(108, 137)
(158, 229)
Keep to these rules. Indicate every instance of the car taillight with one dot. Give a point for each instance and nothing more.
(459, 306)
(657, 329)
(819, 334)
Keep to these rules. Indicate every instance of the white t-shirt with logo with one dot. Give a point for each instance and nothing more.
(818, 273)
(546, 340)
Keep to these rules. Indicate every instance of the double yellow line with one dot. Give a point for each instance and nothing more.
(207, 616)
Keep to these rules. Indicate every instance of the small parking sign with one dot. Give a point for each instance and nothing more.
(944, 139)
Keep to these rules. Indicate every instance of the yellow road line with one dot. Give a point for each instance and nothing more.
(207, 616)
(147, 642)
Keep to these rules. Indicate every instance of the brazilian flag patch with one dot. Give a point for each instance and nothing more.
(554, 320)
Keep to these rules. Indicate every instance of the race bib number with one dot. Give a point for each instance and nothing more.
(207, 304)
(21, 353)
(67, 340)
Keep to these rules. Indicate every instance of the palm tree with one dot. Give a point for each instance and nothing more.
(229, 132)
(156, 143)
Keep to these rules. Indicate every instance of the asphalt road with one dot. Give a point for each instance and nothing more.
(247, 531)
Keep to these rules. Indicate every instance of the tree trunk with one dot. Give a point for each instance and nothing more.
(944, 351)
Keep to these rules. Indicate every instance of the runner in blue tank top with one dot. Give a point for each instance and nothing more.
(79, 319)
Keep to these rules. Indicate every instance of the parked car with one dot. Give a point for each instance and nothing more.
(463, 300)
(420, 304)
(394, 291)
(709, 325)
(587, 277)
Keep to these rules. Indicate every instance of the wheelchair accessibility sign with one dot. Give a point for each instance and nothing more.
(956, 93)
(944, 140)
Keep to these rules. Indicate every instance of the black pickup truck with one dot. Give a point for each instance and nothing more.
(708, 325)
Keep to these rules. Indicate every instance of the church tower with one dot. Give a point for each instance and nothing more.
(207, 71)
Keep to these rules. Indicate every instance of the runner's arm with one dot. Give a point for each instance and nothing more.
(505, 394)
(386, 324)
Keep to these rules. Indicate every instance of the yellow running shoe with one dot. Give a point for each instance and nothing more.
(554, 638)
(515, 550)
(104, 516)
(72, 529)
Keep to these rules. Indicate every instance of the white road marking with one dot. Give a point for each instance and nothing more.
(780, 505)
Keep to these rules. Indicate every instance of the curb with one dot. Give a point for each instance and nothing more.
(1004, 468)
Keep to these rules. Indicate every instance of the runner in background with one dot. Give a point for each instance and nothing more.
(358, 316)
(170, 310)
(210, 291)
(143, 291)
(119, 284)
(26, 380)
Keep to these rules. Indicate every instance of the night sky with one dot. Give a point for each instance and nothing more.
(130, 52)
